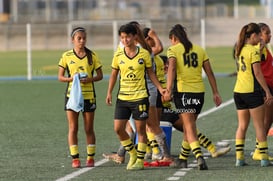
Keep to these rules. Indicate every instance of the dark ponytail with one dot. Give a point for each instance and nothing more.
(245, 33)
(179, 32)
(89, 55)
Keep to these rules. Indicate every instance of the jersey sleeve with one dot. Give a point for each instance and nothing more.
(114, 64)
(205, 55)
(97, 62)
(62, 62)
(148, 60)
(255, 55)
(170, 52)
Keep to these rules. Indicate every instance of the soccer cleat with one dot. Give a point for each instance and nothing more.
(151, 164)
(158, 156)
(138, 165)
(201, 163)
(257, 156)
(148, 156)
(179, 163)
(132, 161)
(154, 163)
(146, 164)
(222, 144)
(90, 163)
(240, 163)
(220, 152)
(165, 161)
(76, 163)
(114, 157)
(265, 163)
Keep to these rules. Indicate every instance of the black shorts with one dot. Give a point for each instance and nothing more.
(169, 115)
(139, 109)
(248, 100)
(186, 102)
(89, 105)
(158, 100)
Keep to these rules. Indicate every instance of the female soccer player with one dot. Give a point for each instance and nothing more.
(267, 69)
(81, 61)
(156, 135)
(185, 82)
(131, 64)
(248, 97)
(167, 113)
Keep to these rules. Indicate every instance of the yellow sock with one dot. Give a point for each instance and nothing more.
(153, 142)
(206, 142)
(196, 149)
(74, 151)
(211, 148)
(257, 151)
(240, 144)
(263, 148)
(257, 143)
(129, 146)
(141, 150)
(148, 148)
(91, 150)
(185, 150)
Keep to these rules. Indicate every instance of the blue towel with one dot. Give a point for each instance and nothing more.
(75, 101)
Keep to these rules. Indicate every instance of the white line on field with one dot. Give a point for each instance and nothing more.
(216, 108)
(83, 170)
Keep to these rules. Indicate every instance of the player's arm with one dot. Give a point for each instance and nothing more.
(158, 47)
(62, 77)
(208, 70)
(155, 81)
(170, 78)
(99, 75)
(111, 84)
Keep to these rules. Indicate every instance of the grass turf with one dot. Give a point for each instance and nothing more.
(33, 127)
(33, 137)
(45, 63)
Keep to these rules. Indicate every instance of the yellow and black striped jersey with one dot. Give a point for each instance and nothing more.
(132, 83)
(246, 81)
(73, 64)
(188, 68)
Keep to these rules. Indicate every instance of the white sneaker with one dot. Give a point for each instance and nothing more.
(114, 157)
(148, 156)
(220, 151)
(158, 156)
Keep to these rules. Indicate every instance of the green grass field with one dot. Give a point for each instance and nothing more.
(34, 145)
(45, 63)
(33, 133)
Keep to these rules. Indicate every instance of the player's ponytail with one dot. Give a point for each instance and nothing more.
(89, 55)
(245, 33)
(179, 32)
